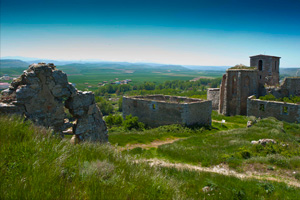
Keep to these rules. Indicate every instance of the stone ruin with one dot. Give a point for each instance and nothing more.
(240, 82)
(237, 85)
(43, 94)
(241, 86)
(159, 110)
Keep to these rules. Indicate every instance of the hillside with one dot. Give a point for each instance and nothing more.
(289, 71)
(9, 63)
(41, 166)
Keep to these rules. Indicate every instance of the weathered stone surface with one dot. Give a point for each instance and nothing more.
(289, 112)
(42, 92)
(268, 69)
(213, 94)
(158, 110)
(289, 87)
(237, 85)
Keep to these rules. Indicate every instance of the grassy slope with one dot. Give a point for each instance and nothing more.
(229, 143)
(34, 165)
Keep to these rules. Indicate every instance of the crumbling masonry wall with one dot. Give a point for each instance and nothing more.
(288, 112)
(42, 93)
(158, 110)
(237, 85)
(213, 94)
(268, 69)
(290, 87)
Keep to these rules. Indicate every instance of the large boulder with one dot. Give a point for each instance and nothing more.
(42, 93)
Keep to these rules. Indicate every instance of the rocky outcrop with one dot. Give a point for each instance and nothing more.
(42, 94)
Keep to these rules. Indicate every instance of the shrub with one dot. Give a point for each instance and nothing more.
(290, 99)
(268, 97)
(113, 120)
(132, 123)
(245, 154)
(105, 106)
(268, 187)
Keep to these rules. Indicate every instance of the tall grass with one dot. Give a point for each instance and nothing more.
(36, 165)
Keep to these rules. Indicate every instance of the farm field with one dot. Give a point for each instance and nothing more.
(88, 76)
(94, 76)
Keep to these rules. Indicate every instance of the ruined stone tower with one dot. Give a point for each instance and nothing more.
(240, 82)
(268, 69)
(237, 85)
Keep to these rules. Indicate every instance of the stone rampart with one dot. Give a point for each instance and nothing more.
(290, 86)
(237, 85)
(288, 112)
(158, 110)
(213, 94)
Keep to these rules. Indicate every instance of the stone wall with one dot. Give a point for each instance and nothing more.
(158, 110)
(290, 86)
(268, 69)
(237, 85)
(213, 94)
(42, 93)
(288, 112)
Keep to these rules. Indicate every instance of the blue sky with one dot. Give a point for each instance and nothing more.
(184, 32)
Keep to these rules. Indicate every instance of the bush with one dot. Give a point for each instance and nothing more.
(244, 153)
(290, 99)
(113, 120)
(105, 106)
(133, 123)
(297, 176)
(269, 97)
(120, 102)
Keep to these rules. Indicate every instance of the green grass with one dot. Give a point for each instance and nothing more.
(234, 147)
(36, 165)
(228, 143)
(122, 137)
(117, 135)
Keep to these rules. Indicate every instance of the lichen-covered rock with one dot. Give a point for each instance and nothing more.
(42, 92)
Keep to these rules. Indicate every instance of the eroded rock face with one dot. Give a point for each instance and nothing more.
(42, 93)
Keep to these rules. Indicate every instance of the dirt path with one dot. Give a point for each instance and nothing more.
(223, 170)
(219, 169)
(154, 144)
(224, 123)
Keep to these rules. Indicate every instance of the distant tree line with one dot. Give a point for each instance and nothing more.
(194, 89)
(199, 85)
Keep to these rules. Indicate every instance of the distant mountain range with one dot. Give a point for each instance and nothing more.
(12, 63)
(23, 62)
